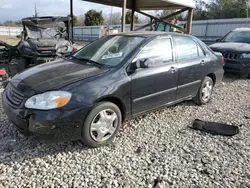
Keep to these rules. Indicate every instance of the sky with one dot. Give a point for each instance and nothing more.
(18, 9)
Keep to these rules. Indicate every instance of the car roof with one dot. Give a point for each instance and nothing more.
(52, 18)
(149, 34)
(242, 29)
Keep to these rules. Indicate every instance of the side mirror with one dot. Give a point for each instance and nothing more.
(217, 40)
(19, 36)
(142, 63)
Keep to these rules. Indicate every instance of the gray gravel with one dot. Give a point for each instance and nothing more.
(154, 150)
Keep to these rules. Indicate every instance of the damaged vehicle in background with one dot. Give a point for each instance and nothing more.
(43, 39)
(87, 96)
(235, 47)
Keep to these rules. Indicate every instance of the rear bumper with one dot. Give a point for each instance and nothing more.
(56, 125)
(219, 76)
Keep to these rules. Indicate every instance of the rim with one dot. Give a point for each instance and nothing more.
(103, 125)
(207, 91)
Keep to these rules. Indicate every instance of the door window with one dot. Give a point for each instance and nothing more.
(186, 48)
(157, 51)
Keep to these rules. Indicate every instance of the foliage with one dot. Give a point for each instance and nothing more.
(12, 23)
(128, 18)
(221, 9)
(75, 20)
(92, 17)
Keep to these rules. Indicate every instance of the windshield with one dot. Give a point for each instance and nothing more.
(109, 51)
(46, 31)
(237, 36)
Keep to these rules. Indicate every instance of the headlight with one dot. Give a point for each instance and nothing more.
(245, 56)
(48, 100)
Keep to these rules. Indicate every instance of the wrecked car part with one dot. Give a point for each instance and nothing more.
(215, 128)
(43, 39)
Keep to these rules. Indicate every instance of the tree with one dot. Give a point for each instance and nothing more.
(11, 23)
(92, 17)
(224, 9)
(75, 21)
(128, 18)
(80, 20)
(200, 12)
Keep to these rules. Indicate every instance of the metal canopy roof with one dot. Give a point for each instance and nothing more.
(149, 4)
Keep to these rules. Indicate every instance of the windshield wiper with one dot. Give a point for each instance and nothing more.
(89, 61)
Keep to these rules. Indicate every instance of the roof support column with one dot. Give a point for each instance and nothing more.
(132, 20)
(124, 7)
(133, 15)
(189, 21)
(72, 24)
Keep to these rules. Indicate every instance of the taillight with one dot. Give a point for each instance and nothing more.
(222, 60)
(75, 50)
(3, 72)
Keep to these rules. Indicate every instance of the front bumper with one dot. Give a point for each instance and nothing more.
(56, 125)
(242, 66)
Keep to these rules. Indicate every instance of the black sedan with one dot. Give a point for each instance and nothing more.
(235, 47)
(87, 96)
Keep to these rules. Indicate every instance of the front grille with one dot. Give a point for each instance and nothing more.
(14, 96)
(231, 56)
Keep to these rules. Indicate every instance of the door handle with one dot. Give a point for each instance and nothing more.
(173, 69)
(202, 62)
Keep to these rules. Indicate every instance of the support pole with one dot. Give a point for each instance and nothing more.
(124, 15)
(72, 24)
(190, 21)
(133, 16)
(132, 20)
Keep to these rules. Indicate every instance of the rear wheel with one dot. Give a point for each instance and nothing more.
(102, 125)
(204, 94)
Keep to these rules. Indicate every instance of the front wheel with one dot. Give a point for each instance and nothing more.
(102, 125)
(204, 94)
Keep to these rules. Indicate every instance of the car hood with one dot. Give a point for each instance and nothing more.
(231, 46)
(53, 75)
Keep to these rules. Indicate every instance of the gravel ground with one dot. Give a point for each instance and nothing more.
(154, 150)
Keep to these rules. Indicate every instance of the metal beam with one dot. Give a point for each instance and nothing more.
(124, 7)
(160, 20)
(72, 24)
(174, 14)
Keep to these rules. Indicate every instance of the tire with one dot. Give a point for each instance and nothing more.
(200, 98)
(97, 124)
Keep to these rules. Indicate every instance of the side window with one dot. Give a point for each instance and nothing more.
(157, 51)
(186, 48)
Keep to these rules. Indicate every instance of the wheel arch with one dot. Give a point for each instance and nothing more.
(118, 102)
(213, 77)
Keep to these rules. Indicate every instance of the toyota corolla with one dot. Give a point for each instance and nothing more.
(87, 96)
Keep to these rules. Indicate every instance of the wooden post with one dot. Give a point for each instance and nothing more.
(133, 15)
(72, 24)
(124, 7)
(190, 21)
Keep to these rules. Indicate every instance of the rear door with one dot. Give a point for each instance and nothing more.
(191, 62)
(156, 85)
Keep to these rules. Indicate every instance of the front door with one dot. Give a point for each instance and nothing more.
(155, 85)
